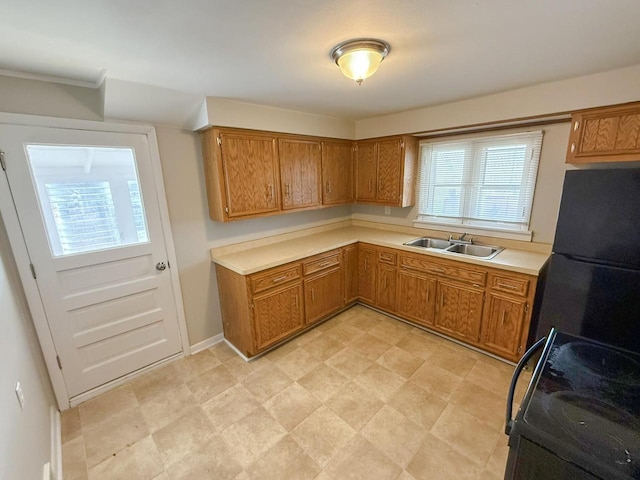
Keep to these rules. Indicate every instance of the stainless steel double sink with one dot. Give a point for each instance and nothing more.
(485, 252)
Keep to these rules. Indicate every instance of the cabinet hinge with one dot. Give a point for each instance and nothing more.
(526, 307)
(520, 349)
(402, 144)
(219, 140)
(59, 362)
(251, 305)
(2, 164)
(226, 210)
(33, 270)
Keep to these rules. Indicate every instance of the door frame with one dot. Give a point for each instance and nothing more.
(21, 254)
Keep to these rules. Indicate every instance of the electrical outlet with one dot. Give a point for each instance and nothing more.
(387, 210)
(20, 395)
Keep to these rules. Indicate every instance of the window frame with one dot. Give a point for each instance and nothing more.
(473, 170)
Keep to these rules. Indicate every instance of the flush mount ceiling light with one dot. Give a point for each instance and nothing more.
(360, 58)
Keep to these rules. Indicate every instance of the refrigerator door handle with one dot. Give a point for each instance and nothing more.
(514, 380)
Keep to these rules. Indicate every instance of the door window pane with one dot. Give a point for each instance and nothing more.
(89, 197)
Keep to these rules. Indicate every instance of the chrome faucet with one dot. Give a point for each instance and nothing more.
(461, 239)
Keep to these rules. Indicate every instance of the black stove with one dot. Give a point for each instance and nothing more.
(580, 417)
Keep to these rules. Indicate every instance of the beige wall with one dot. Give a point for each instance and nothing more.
(25, 439)
(34, 97)
(194, 233)
(229, 113)
(546, 201)
(607, 88)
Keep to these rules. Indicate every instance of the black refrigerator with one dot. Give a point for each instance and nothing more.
(593, 281)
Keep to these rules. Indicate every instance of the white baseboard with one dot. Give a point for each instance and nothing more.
(53, 469)
(233, 347)
(207, 343)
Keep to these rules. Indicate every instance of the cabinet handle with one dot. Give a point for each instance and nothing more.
(328, 186)
(384, 283)
(279, 279)
(442, 300)
(576, 126)
(370, 187)
(313, 295)
(295, 300)
(269, 191)
(437, 270)
(286, 189)
(573, 148)
(324, 264)
(366, 265)
(504, 312)
(504, 285)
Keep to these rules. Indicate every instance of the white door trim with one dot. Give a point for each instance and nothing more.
(21, 255)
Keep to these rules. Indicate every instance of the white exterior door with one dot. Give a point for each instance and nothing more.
(89, 213)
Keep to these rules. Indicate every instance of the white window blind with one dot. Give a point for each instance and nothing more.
(484, 182)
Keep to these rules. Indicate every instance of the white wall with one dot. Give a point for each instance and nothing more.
(25, 439)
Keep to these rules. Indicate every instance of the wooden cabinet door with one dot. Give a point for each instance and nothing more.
(459, 311)
(367, 274)
(350, 270)
(609, 134)
(300, 173)
(278, 314)
(366, 171)
(250, 170)
(416, 297)
(337, 173)
(503, 323)
(389, 171)
(386, 288)
(322, 295)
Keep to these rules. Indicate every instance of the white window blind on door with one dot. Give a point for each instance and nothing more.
(485, 182)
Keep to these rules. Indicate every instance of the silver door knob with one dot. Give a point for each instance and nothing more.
(160, 266)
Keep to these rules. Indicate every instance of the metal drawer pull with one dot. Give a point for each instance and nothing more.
(504, 312)
(437, 270)
(279, 279)
(511, 287)
(324, 264)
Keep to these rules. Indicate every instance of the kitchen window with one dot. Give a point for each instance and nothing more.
(479, 184)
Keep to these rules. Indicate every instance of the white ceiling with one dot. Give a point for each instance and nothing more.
(276, 52)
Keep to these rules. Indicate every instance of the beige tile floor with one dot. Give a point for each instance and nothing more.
(362, 396)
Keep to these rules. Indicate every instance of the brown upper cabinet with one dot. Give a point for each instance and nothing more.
(300, 162)
(606, 134)
(337, 172)
(252, 173)
(386, 170)
(241, 173)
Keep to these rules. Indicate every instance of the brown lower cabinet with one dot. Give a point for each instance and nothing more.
(416, 297)
(481, 306)
(323, 295)
(459, 310)
(278, 314)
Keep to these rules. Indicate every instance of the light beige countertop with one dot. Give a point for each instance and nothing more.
(255, 259)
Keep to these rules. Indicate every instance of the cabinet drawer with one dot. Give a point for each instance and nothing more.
(272, 278)
(512, 285)
(475, 277)
(390, 258)
(327, 260)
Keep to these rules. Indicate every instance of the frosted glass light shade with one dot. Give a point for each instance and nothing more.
(359, 59)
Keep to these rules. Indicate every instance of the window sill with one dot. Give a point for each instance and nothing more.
(522, 235)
